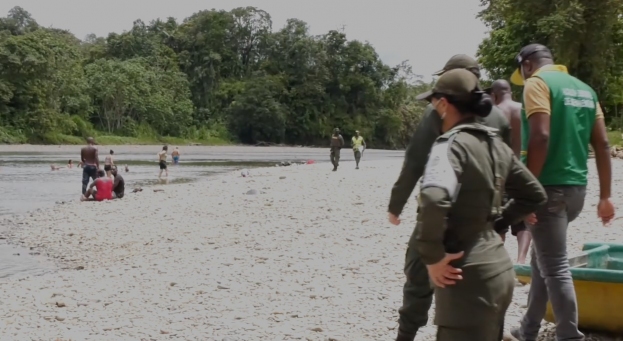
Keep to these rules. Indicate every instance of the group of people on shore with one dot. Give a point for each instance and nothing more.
(107, 184)
(488, 164)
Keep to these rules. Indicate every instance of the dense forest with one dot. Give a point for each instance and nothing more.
(230, 77)
(215, 76)
(584, 35)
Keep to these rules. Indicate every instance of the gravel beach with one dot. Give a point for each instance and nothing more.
(310, 256)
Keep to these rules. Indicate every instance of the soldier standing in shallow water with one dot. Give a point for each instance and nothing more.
(337, 142)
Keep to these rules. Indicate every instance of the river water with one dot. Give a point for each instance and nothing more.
(28, 183)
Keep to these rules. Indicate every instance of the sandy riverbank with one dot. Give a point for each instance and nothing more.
(311, 257)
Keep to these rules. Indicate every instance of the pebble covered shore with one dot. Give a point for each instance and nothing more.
(309, 256)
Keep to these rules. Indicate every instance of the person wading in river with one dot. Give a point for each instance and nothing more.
(501, 94)
(90, 160)
(162, 157)
(175, 155)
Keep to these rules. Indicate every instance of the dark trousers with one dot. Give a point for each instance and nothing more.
(418, 297)
(89, 171)
(335, 157)
(357, 157)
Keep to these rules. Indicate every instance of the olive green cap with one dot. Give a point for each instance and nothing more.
(459, 83)
(460, 61)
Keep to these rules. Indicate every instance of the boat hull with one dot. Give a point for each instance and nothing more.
(598, 280)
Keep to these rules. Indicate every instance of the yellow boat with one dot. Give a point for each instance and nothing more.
(598, 280)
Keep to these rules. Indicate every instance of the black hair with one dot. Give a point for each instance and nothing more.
(479, 103)
(69, 162)
(112, 152)
(101, 173)
(165, 148)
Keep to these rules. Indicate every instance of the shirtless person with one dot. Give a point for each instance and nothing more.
(91, 163)
(502, 97)
(162, 157)
(176, 156)
(108, 161)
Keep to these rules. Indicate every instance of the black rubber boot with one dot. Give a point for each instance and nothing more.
(404, 336)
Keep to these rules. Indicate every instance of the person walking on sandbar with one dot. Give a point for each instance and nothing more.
(90, 160)
(162, 161)
(359, 145)
(417, 292)
(337, 142)
(501, 94)
(561, 116)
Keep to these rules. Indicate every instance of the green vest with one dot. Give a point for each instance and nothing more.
(573, 111)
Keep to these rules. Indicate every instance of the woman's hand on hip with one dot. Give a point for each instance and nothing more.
(442, 273)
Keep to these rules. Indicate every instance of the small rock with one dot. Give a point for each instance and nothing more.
(252, 192)
(222, 287)
(60, 304)
(80, 267)
(172, 284)
(164, 332)
(317, 329)
(60, 318)
(282, 177)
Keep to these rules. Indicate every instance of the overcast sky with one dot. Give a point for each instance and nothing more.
(425, 32)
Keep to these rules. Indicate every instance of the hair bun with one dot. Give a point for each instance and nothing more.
(483, 104)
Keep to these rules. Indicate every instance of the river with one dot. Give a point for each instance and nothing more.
(28, 183)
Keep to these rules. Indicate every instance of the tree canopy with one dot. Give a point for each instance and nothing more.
(584, 35)
(223, 74)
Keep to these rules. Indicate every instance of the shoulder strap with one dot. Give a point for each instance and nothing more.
(498, 180)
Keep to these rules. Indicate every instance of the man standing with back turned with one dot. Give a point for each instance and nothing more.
(560, 117)
(91, 163)
(501, 93)
(417, 292)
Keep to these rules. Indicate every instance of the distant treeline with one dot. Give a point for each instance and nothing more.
(215, 75)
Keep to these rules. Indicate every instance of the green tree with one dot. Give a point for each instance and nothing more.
(584, 35)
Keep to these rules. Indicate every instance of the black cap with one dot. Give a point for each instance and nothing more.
(525, 54)
(529, 50)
